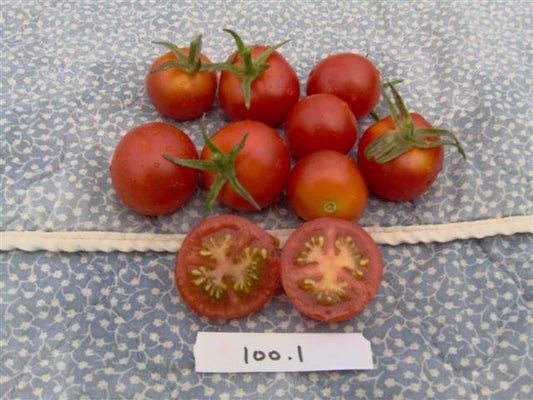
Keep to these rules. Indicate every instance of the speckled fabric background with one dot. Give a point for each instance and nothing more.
(451, 320)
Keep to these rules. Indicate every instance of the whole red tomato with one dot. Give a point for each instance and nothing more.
(320, 122)
(327, 183)
(401, 155)
(177, 86)
(352, 77)
(273, 90)
(143, 179)
(244, 164)
(261, 166)
(227, 267)
(406, 176)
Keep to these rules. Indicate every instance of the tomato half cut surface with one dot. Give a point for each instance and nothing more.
(227, 267)
(330, 269)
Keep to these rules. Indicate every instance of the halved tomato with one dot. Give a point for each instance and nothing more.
(227, 267)
(330, 269)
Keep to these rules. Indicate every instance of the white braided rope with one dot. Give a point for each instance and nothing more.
(128, 242)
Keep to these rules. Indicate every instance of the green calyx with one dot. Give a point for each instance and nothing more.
(251, 68)
(222, 165)
(190, 63)
(405, 136)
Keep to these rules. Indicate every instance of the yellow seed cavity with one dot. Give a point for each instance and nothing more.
(349, 251)
(204, 278)
(311, 251)
(326, 265)
(325, 295)
(216, 247)
(358, 273)
(240, 272)
(247, 269)
(263, 253)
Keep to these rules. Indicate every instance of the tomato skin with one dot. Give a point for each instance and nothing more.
(243, 234)
(273, 93)
(145, 181)
(405, 177)
(327, 183)
(320, 122)
(320, 261)
(178, 94)
(262, 166)
(349, 76)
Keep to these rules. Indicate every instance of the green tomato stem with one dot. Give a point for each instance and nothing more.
(251, 68)
(222, 165)
(191, 63)
(405, 136)
(375, 115)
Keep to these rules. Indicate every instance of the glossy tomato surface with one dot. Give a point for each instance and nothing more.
(327, 183)
(320, 122)
(330, 269)
(262, 165)
(178, 94)
(143, 179)
(352, 77)
(227, 267)
(405, 177)
(273, 93)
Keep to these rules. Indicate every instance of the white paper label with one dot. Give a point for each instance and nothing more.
(281, 352)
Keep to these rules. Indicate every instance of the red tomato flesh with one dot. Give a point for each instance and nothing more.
(227, 267)
(330, 269)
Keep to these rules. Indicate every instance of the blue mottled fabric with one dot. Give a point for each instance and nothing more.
(450, 321)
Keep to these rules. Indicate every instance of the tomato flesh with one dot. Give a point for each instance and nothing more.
(331, 269)
(405, 177)
(227, 267)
